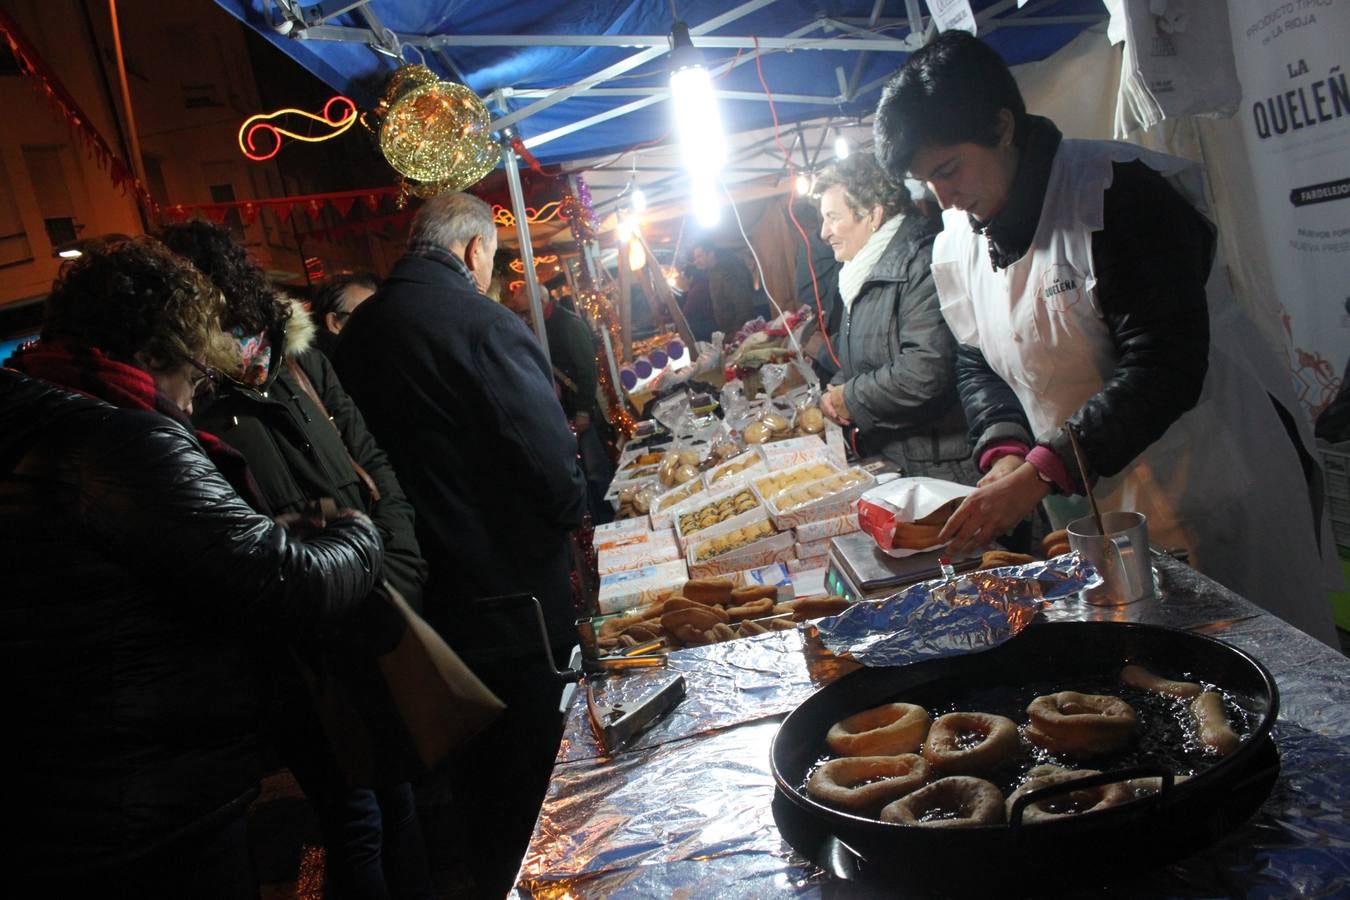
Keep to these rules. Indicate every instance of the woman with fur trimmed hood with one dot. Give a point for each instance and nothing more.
(273, 404)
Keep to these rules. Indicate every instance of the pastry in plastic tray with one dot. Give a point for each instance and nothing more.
(640, 461)
(719, 511)
(733, 540)
(679, 495)
(797, 497)
(739, 464)
(772, 485)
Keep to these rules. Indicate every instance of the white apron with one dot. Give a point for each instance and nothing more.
(1223, 481)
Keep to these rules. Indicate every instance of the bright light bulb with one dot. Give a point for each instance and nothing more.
(803, 185)
(637, 257)
(70, 254)
(841, 147)
(639, 200)
(707, 208)
(697, 122)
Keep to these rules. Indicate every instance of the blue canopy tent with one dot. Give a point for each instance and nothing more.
(585, 79)
(580, 81)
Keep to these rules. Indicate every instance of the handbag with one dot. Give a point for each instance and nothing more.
(397, 711)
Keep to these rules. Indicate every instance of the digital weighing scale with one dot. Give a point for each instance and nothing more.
(858, 570)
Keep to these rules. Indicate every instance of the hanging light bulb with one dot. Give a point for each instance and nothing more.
(698, 124)
(707, 208)
(841, 147)
(637, 257)
(803, 184)
(639, 200)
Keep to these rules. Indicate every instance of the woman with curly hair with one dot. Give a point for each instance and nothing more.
(139, 579)
(273, 405)
(896, 384)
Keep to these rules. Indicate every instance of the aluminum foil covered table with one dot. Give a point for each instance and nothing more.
(686, 809)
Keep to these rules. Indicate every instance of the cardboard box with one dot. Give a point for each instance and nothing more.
(797, 564)
(809, 582)
(780, 455)
(622, 528)
(624, 590)
(707, 498)
(824, 528)
(658, 547)
(762, 552)
(812, 548)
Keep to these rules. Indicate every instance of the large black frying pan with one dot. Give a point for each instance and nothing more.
(1030, 857)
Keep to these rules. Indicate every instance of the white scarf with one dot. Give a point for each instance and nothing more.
(854, 273)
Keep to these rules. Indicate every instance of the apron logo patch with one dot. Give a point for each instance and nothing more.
(1061, 287)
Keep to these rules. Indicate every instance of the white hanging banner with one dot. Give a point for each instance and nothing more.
(1292, 58)
(953, 15)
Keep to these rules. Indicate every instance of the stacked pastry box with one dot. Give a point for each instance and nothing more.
(637, 564)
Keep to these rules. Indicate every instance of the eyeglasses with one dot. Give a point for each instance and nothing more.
(204, 383)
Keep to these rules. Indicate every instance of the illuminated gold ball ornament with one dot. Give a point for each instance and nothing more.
(435, 133)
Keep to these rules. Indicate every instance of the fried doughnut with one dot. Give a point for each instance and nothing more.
(956, 802)
(1080, 724)
(749, 627)
(864, 784)
(743, 595)
(752, 610)
(1073, 803)
(701, 619)
(1053, 540)
(1212, 723)
(960, 743)
(880, 731)
(1139, 677)
(816, 607)
(709, 590)
(993, 559)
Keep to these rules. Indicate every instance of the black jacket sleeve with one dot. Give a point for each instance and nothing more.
(162, 506)
(393, 514)
(1152, 259)
(519, 391)
(992, 409)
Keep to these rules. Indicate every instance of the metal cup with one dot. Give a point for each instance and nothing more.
(1121, 557)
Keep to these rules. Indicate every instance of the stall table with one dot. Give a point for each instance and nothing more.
(686, 810)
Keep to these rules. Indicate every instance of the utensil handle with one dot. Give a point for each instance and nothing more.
(1083, 474)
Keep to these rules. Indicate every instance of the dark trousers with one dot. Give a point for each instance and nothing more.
(373, 842)
(498, 780)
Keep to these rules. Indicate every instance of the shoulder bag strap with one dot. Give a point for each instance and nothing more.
(308, 387)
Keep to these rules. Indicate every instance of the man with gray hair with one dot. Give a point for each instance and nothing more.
(460, 396)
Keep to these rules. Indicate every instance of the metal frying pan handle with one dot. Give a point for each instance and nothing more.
(1067, 787)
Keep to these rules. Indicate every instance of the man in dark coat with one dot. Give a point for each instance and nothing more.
(459, 394)
(571, 350)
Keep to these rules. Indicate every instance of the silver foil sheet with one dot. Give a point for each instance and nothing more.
(691, 815)
(725, 684)
(951, 616)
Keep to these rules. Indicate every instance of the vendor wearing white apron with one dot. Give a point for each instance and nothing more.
(1077, 279)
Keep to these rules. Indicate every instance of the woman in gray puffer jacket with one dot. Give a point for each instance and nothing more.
(897, 382)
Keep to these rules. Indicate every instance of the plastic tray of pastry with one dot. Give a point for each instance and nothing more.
(743, 543)
(783, 478)
(737, 470)
(821, 498)
(663, 505)
(710, 508)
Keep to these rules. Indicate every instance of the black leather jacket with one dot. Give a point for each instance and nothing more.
(137, 586)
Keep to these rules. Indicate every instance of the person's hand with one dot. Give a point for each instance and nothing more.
(680, 282)
(580, 422)
(1002, 468)
(833, 406)
(994, 509)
